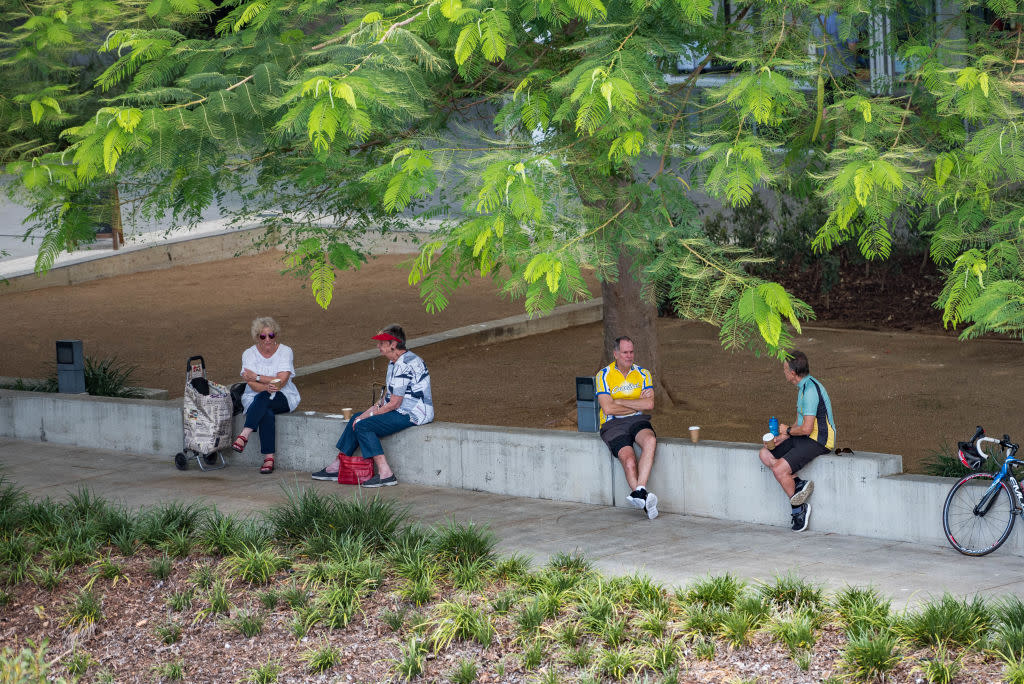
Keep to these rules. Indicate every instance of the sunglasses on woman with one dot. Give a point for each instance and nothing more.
(270, 335)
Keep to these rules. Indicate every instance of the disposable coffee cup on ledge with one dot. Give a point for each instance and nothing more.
(769, 440)
(695, 433)
(347, 412)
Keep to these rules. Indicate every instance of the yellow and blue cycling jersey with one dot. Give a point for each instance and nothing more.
(610, 380)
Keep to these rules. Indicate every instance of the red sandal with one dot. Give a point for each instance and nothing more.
(240, 443)
(268, 465)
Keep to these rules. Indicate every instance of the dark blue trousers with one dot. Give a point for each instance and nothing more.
(260, 418)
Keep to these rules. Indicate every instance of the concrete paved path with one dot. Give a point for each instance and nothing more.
(674, 549)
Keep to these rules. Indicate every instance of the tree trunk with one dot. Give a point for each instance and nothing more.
(627, 313)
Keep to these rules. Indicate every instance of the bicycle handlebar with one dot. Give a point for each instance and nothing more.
(980, 438)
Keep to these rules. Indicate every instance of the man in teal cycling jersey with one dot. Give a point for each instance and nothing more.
(812, 434)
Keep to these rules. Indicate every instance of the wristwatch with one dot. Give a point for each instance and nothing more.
(788, 433)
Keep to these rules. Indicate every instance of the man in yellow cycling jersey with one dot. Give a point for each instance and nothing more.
(624, 392)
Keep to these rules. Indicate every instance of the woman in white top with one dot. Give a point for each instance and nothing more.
(267, 367)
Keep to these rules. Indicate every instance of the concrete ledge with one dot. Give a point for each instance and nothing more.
(147, 392)
(503, 329)
(181, 249)
(862, 494)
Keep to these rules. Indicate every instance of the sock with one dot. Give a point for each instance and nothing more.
(797, 509)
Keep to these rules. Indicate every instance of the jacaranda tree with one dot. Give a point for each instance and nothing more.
(544, 132)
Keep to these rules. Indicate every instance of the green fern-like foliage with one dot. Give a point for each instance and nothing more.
(551, 138)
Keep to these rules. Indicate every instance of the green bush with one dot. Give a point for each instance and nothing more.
(107, 377)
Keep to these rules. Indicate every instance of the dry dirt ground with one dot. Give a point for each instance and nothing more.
(894, 392)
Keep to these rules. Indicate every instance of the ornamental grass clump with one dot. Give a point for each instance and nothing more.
(947, 622)
(716, 590)
(870, 655)
(861, 608)
(321, 659)
(618, 663)
(161, 567)
(464, 673)
(412, 658)
(255, 564)
(664, 656)
(84, 611)
(169, 632)
(220, 534)
(180, 600)
(460, 621)
(173, 671)
(790, 591)
(247, 623)
(941, 668)
(267, 673)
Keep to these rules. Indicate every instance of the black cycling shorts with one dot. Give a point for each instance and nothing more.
(799, 451)
(622, 432)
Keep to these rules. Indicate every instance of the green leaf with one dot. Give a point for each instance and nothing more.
(943, 167)
(466, 44)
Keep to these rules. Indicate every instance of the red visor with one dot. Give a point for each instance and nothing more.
(385, 337)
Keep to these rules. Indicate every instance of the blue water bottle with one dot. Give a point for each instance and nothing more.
(773, 426)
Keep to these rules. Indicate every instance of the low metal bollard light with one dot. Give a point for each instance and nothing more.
(70, 367)
(586, 405)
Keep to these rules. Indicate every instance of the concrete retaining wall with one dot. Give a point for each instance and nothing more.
(183, 249)
(864, 494)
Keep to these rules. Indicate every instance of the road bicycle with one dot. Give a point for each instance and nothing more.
(981, 508)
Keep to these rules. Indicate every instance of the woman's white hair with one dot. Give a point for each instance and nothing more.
(264, 322)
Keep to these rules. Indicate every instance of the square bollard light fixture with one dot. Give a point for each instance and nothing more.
(586, 405)
(70, 367)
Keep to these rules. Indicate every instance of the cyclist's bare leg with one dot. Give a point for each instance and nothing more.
(627, 457)
(780, 469)
(648, 443)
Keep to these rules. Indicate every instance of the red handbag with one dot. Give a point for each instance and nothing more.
(353, 470)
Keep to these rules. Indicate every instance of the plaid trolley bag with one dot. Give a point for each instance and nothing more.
(206, 417)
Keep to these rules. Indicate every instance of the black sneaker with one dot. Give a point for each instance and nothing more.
(326, 476)
(804, 489)
(801, 518)
(376, 481)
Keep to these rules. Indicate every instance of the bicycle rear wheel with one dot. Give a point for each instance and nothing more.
(976, 524)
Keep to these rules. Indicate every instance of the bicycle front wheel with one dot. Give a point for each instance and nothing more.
(977, 521)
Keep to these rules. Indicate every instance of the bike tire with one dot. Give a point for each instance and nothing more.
(974, 534)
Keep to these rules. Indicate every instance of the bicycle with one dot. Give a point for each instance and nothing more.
(981, 508)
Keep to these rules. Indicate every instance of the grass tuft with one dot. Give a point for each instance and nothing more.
(716, 590)
(321, 659)
(267, 673)
(180, 600)
(413, 654)
(947, 622)
(161, 567)
(248, 624)
(85, 610)
(464, 673)
(255, 564)
(870, 655)
(790, 591)
(169, 632)
(174, 672)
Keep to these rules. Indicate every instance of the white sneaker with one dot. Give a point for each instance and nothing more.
(652, 506)
(636, 501)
